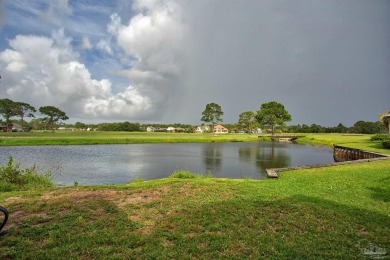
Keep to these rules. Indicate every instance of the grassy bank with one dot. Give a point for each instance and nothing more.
(362, 142)
(330, 213)
(340, 212)
(79, 137)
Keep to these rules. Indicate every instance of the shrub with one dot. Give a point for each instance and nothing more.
(182, 174)
(265, 138)
(379, 137)
(12, 177)
(386, 143)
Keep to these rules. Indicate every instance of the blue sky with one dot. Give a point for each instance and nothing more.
(327, 61)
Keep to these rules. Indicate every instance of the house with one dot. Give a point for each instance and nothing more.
(160, 130)
(179, 130)
(150, 129)
(202, 129)
(17, 128)
(171, 129)
(220, 129)
(5, 128)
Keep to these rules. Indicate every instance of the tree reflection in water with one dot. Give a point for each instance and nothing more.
(212, 157)
(265, 156)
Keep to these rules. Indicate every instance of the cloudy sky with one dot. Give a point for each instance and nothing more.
(327, 61)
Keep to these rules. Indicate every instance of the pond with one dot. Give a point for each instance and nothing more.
(116, 164)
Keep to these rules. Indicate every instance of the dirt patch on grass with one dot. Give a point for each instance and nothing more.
(148, 207)
(118, 197)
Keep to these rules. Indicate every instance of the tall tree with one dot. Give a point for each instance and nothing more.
(7, 109)
(272, 114)
(385, 118)
(364, 127)
(80, 125)
(212, 114)
(24, 109)
(53, 115)
(247, 120)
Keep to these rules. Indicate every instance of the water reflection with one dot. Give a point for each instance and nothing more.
(212, 157)
(265, 156)
(109, 164)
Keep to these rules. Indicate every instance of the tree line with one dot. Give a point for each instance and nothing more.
(9, 109)
(360, 127)
(272, 116)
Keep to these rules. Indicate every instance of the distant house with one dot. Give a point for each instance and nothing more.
(179, 130)
(150, 129)
(220, 129)
(202, 129)
(160, 130)
(17, 128)
(171, 129)
(5, 127)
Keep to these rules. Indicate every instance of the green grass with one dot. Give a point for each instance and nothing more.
(327, 213)
(79, 137)
(362, 142)
(12, 177)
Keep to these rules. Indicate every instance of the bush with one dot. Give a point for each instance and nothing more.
(181, 174)
(265, 138)
(386, 144)
(379, 137)
(12, 177)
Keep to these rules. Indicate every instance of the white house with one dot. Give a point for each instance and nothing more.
(150, 129)
(202, 129)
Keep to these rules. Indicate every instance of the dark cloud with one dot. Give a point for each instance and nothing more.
(164, 60)
(327, 61)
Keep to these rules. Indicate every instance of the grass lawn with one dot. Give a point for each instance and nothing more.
(102, 137)
(340, 212)
(362, 142)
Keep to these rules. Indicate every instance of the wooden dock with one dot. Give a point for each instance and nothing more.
(283, 137)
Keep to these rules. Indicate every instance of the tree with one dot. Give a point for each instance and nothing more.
(80, 125)
(272, 114)
(363, 127)
(54, 115)
(247, 120)
(7, 109)
(385, 119)
(24, 109)
(212, 114)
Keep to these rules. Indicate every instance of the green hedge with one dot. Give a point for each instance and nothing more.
(379, 137)
(386, 143)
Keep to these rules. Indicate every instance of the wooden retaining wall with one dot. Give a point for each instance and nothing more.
(341, 154)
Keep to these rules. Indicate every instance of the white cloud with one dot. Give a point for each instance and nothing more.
(44, 71)
(105, 46)
(114, 26)
(154, 38)
(56, 11)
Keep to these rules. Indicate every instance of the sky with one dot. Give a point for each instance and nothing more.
(162, 61)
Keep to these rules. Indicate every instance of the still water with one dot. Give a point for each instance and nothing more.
(114, 164)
